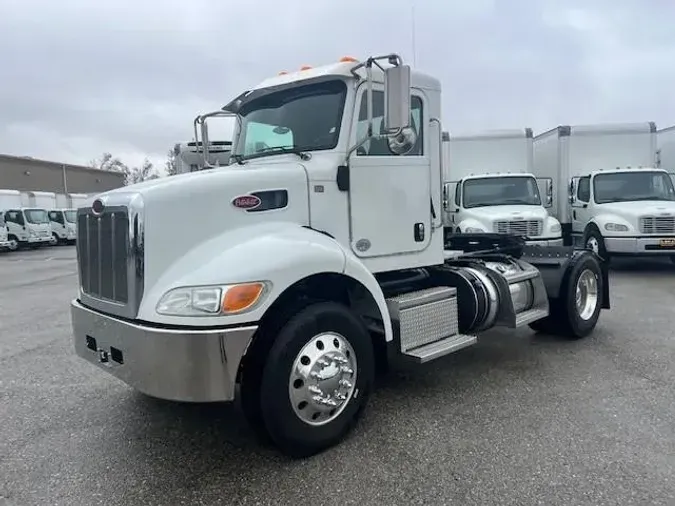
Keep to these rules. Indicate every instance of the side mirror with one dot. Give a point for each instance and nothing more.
(397, 99)
(549, 193)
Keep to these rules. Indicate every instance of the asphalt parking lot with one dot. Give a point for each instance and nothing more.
(519, 419)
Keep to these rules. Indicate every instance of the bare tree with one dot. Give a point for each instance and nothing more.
(143, 173)
(132, 174)
(171, 167)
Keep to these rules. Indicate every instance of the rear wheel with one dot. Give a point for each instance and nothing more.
(316, 379)
(575, 313)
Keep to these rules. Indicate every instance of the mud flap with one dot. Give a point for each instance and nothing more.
(555, 264)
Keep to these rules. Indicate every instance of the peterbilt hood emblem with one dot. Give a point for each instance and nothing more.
(246, 202)
(97, 206)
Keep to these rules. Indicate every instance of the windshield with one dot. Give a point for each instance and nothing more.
(71, 216)
(632, 186)
(496, 191)
(298, 118)
(36, 216)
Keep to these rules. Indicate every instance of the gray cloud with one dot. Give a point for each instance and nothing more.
(80, 77)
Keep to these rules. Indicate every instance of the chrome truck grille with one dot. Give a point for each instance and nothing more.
(110, 255)
(657, 225)
(529, 228)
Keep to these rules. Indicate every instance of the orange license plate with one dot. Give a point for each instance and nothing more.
(667, 243)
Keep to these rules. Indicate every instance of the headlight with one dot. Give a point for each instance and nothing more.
(473, 230)
(555, 229)
(616, 227)
(210, 300)
(522, 295)
(31, 232)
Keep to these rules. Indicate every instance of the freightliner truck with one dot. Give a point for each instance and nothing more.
(315, 256)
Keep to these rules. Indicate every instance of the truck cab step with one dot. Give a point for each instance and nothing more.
(426, 323)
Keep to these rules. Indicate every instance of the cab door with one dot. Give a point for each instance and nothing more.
(389, 195)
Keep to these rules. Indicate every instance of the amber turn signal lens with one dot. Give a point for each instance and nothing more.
(240, 297)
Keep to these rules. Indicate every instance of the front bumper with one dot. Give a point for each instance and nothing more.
(544, 242)
(4, 244)
(175, 364)
(639, 245)
(39, 240)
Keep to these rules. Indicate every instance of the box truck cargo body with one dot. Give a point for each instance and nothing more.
(609, 195)
(489, 187)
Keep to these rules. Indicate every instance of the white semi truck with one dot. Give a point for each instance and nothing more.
(27, 226)
(610, 195)
(489, 187)
(318, 253)
(190, 155)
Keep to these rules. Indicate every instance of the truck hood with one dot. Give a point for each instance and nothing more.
(188, 209)
(510, 212)
(630, 210)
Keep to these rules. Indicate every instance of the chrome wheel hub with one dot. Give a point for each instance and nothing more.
(586, 294)
(322, 379)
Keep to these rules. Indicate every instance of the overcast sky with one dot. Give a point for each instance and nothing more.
(82, 77)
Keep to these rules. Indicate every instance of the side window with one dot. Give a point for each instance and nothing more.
(584, 189)
(458, 193)
(54, 216)
(14, 217)
(379, 146)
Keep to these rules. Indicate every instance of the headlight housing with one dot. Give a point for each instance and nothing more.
(616, 227)
(473, 230)
(211, 300)
(556, 228)
(522, 295)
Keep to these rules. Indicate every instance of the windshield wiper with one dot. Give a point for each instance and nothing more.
(274, 150)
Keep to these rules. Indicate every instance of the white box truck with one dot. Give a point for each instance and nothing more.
(63, 217)
(665, 154)
(489, 187)
(610, 195)
(4, 236)
(26, 226)
(318, 254)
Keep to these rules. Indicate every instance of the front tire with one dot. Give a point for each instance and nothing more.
(316, 379)
(594, 241)
(575, 313)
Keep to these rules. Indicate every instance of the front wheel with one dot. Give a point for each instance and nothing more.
(574, 314)
(316, 379)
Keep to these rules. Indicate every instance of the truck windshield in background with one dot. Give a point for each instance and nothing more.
(497, 191)
(632, 186)
(299, 118)
(36, 216)
(2, 219)
(71, 216)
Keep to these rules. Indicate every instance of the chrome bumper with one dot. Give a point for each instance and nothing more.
(4, 244)
(544, 242)
(178, 365)
(637, 246)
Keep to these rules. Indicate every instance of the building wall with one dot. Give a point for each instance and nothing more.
(26, 174)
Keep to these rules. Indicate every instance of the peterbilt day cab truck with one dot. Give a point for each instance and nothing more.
(610, 196)
(27, 226)
(319, 253)
(489, 187)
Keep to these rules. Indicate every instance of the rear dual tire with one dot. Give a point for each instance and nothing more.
(574, 314)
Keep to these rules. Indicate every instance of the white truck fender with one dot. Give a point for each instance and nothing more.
(280, 254)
